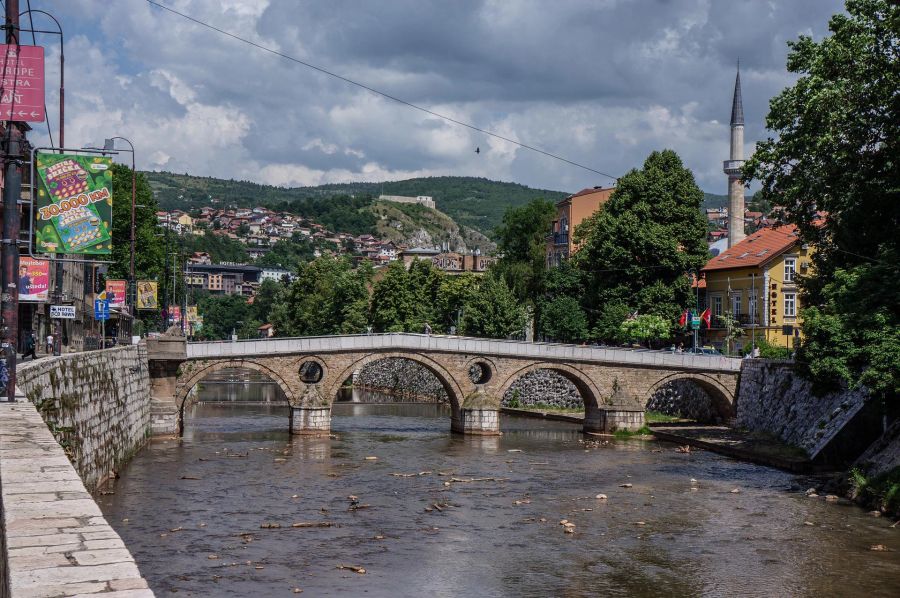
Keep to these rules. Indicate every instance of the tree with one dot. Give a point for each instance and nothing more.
(403, 301)
(148, 257)
(492, 311)
(453, 295)
(646, 328)
(222, 314)
(563, 320)
(327, 297)
(832, 163)
(638, 249)
(561, 316)
(522, 241)
(265, 299)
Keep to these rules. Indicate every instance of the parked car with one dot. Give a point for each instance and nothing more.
(704, 351)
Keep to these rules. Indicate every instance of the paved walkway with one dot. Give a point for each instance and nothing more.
(58, 542)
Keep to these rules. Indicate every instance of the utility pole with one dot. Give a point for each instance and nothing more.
(12, 192)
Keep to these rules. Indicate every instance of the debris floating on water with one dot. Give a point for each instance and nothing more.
(354, 568)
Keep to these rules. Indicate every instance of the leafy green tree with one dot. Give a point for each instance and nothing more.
(733, 330)
(638, 249)
(453, 294)
(522, 242)
(647, 328)
(563, 320)
(403, 301)
(327, 297)
(608, 323)
(835, 152)
(492, 311)
(148, 257)
(265, 299)
(222, 314)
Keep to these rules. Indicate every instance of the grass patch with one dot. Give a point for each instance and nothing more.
(624, 434)
(655, 417)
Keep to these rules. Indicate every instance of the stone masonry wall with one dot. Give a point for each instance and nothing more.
(773, 398)
(403, 378)
(543, 387)
(97, 405)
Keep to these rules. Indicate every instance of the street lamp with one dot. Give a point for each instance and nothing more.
(696, 277)
(110, 144)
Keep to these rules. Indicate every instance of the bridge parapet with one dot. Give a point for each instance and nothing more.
(458, 344)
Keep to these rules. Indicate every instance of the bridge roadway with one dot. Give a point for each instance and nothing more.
(615, 383)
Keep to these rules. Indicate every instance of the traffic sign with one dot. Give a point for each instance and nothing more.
(695, 322)
(101, 309)
(22, 70)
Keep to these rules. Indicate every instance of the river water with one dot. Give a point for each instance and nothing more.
(191, 512)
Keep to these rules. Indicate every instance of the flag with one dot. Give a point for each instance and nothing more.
(706, 316)
(684, 318)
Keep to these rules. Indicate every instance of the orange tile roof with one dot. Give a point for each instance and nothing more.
(756, 249)
(590, 190)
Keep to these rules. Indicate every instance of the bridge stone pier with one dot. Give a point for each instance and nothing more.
(615, 384)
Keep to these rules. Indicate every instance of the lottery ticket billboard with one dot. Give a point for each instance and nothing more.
(34, 279)
(74, 204)
(116, 291)
(146, 294)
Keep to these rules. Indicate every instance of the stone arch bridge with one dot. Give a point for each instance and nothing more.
(615, 384)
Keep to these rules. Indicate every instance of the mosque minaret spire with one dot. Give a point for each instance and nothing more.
(732, 167)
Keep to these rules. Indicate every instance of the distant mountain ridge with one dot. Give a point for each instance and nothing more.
(476, 203)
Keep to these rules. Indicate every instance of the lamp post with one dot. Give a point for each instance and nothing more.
(110, 144)
(696, 331)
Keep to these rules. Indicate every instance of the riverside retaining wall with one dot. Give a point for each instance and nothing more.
(834, 428)
(96, 404)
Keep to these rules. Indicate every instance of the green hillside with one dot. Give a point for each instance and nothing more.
(476, 203)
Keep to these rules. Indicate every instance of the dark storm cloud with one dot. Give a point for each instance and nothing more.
(603, 82)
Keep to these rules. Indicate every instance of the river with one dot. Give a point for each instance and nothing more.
(191, 512)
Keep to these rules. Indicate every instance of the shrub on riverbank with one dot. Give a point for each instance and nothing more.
(881, 492)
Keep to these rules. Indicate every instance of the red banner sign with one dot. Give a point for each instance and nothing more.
(115, 292)
(22, 70)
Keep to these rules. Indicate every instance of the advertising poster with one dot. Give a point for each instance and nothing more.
(146, 294)
(34, 279)
(74, 204)
(175, 314)
(192, 315)
(116, 292)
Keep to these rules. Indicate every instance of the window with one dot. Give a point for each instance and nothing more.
(790, 269)
(717, 305)
(736, 304)
(790, 305)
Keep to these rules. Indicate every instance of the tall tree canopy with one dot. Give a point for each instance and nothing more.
(327, 297)
(637, 250)
(148, 257)
(522, 241)
(835, 153)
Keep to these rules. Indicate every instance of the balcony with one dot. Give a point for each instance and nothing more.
(732, 167)
(745, 320)
(560, 238)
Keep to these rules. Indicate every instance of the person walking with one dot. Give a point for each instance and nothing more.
(49, 344)
(427, 328)
(29, 346)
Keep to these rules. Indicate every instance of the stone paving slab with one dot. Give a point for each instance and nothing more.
(58, 543)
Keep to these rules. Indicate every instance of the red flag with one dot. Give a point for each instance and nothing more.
(706, 316)
(683, 319)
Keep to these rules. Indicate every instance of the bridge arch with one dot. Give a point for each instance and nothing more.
(452, 386)
(721, 396)
(589, 392)
(194, 375)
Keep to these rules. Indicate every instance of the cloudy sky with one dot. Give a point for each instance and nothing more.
(600, 82)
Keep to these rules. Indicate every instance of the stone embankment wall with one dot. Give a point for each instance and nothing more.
(96, 404)
(543, 387)
(54, 540)
(402, 378)
(774, 398)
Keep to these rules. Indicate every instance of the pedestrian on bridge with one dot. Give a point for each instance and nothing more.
(29, 346)
(427, 328)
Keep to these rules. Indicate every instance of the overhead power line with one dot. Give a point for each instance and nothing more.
(376, 91)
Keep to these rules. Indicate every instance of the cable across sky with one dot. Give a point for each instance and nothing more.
(376, 91)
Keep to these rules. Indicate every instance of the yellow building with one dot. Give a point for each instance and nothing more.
(756, 282)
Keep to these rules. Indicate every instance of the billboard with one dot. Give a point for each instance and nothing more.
(116, 292)
(74, 204)
(175, 314)
(34, 279)
(146, 294)
(192, 315)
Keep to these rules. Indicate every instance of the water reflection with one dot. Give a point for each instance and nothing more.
(238, 468)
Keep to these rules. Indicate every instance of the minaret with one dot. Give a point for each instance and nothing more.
(733, 167)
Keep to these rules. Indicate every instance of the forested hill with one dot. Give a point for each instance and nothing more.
(478, 203)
